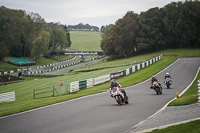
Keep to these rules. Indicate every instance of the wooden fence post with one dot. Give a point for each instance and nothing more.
(33, 93)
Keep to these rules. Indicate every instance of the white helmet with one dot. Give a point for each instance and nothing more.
(167, 73)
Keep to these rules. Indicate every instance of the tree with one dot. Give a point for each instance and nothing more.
(58, 38)
(40, 44)
(121, 37)
(68, 36)
(150, 36)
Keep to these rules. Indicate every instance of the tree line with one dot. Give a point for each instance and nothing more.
(28, 35)
(82, 27)
(176, 25)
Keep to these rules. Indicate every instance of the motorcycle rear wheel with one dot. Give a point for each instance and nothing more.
(126, 102)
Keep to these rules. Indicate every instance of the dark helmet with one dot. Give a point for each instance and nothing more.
(113, 82)
(153, 78)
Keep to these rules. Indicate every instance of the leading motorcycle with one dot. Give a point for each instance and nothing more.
(119, 95)
(168, 82)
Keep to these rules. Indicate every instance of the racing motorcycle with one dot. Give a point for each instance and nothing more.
(168, 82)
(157, 87)
(119, 96)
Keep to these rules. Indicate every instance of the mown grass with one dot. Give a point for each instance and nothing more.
(55, 59)
(24, 90)
(85, 40)
(189, 97)
(191, 127)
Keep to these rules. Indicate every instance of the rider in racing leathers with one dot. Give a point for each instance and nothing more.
(168, 76)
(115, 84)
(152, 80)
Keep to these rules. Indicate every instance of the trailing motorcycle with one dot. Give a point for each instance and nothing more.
(168, 82)
(157, 87)
(119, 95)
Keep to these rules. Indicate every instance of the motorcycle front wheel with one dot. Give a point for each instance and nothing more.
(157, 90)
(119, 100)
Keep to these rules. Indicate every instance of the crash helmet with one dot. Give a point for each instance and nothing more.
(113, 82)
(167, 73)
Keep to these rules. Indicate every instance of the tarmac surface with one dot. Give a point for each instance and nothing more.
(172, 115)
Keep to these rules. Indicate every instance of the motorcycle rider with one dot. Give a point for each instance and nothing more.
(152, 80)
(168, 76)
(115, 84)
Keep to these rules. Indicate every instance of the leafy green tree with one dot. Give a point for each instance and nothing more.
(68, 36)
(107, 44)
(40, 44)
(121, 40)
(182, 23)
(150, 36)
(58, 39)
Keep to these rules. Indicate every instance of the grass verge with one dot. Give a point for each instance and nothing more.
(191, 127)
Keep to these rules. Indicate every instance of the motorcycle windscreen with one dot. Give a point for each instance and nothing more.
(114, 89)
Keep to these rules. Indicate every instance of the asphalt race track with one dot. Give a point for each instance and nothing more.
(100, 113)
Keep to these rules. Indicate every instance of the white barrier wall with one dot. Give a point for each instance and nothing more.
(138, 67)
(147, 63)
(127, 71)
(7, 97)
(74, 86)
(133, 69)
(143, 65)
(150, 61)
(101, 79)
(90, 83)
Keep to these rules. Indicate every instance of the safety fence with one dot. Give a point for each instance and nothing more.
(199, 91)
(80, 85)
(59, 88)
(7, 97)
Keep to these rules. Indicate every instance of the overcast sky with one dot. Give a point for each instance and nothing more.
(93, 12)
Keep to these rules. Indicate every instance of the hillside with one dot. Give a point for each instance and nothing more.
(85, 40)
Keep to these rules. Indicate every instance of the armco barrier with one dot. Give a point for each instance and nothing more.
(79, 85)
(7, 97)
